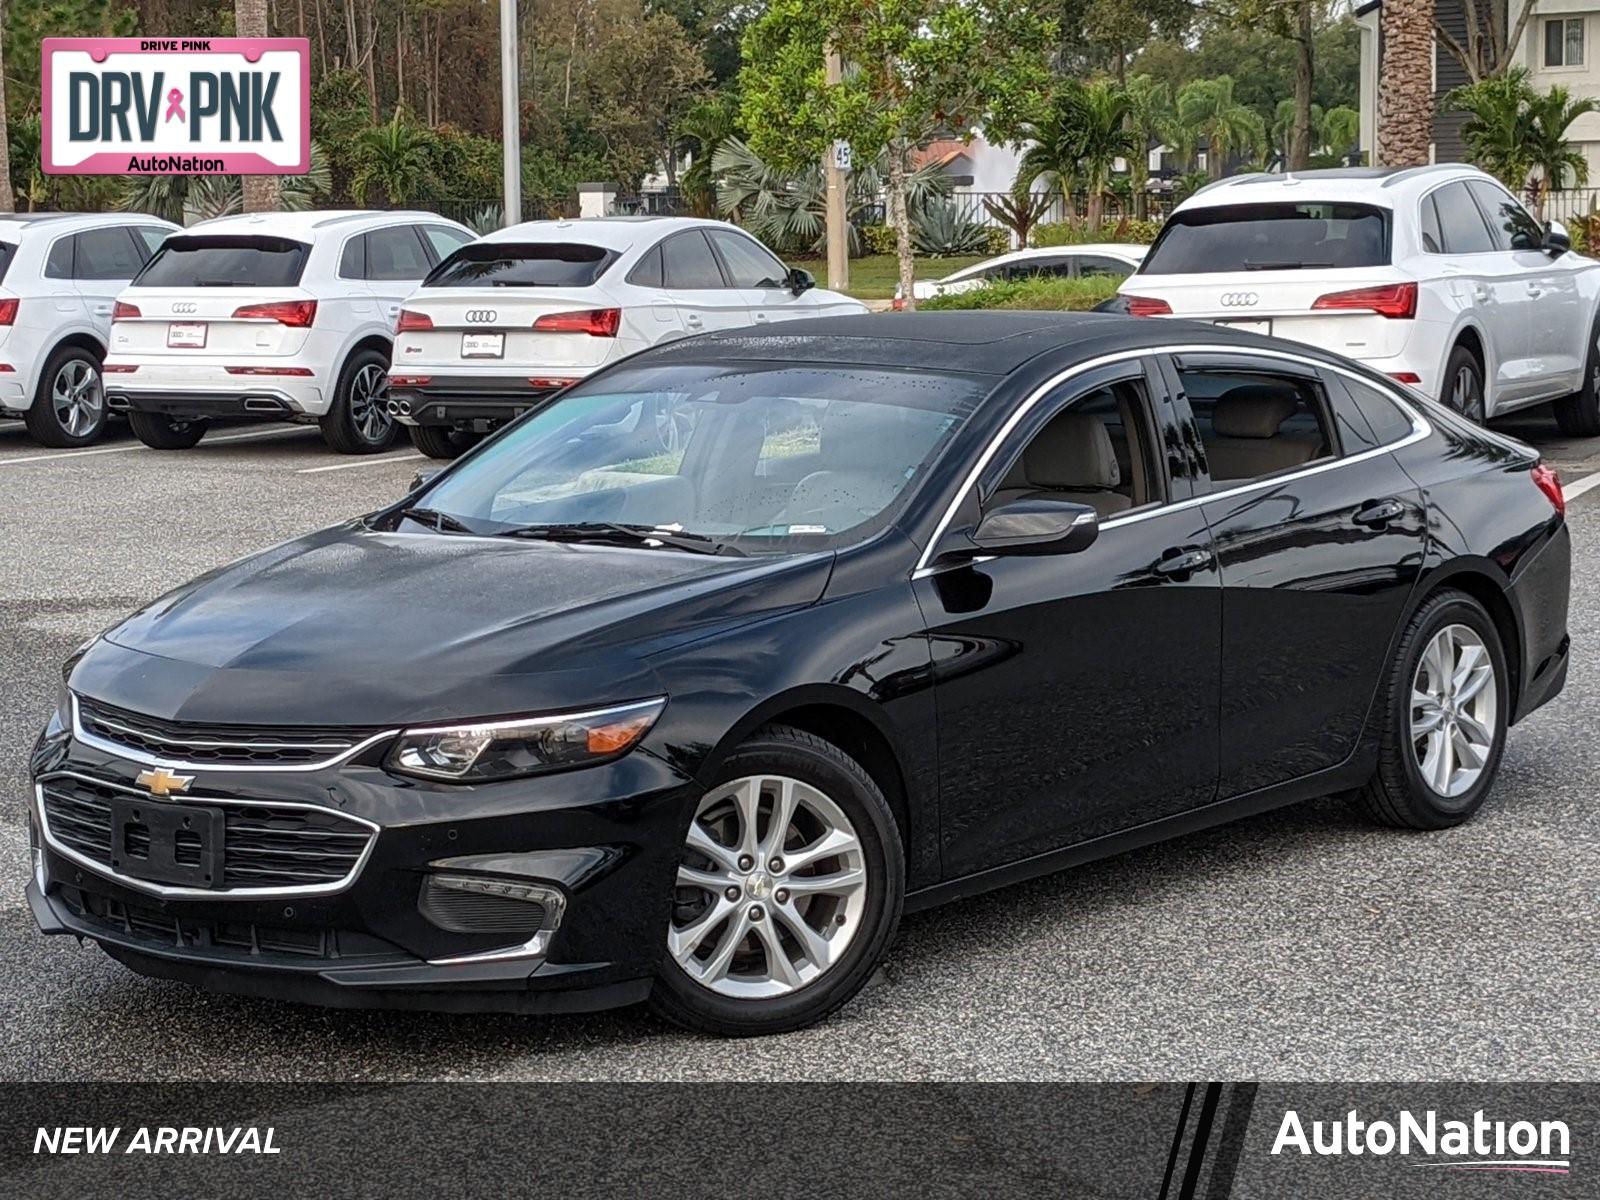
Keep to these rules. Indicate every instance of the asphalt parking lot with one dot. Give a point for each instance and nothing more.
(1304, 944)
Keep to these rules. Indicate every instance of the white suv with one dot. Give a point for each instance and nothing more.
(59, 276)
(279, 316)
(1435, 275)
(523, 312)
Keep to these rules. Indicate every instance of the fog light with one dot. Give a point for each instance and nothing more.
(478, 904)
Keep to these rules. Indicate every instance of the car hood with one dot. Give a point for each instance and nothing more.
(359, 628)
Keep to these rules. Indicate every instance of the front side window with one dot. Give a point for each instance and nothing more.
(1460, 222)
(522, 264)
(765, 457)
(687, 263)
(1563, 42)
(225, 260)
(1098, 450)
(749, 263)
(1509, 223)
(1270, 237)
(445, 240)
(1255, 424)
(396, 253)
(151, 237)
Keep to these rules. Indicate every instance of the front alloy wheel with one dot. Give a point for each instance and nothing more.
(787, 890)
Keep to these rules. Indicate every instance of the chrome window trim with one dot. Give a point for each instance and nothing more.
(1420, 428)
(80, 734)
(160, 889)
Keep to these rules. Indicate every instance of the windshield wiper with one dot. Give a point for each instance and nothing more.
(1287, 266)
(613, 531)
(442, 522)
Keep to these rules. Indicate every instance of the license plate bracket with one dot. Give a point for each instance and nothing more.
(483, 345)
(187, 335)
(1261, 325)
(167, 843)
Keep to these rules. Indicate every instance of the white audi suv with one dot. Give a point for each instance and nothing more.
(1435, 275)
(276, 316)
(517, 315)
(59, 277)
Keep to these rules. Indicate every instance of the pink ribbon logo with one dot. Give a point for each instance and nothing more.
(175, 105)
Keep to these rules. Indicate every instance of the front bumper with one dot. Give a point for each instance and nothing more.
(603, 838)
(465, 403)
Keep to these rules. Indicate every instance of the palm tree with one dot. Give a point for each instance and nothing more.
(8, 202)
(1077, 140)
(187, 198)
(1055, 148)
(1495, 132)
(1405, 83)
(1104, 109)
(1546, 121)
(1207, 108)
(1150, 117)
(706, 126)
(250, 21)
(395, 160)
(1339, 129)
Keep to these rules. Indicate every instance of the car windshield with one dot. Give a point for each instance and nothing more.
(760, 457)
(1270, 237)
(217, 260)
(522, 264)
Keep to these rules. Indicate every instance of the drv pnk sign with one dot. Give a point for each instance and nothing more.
(177, 106)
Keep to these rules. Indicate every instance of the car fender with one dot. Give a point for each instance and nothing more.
(1465, 321)
(59, 337)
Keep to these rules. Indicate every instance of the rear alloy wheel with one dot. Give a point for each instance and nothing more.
(1445, 708)
(440, 441)
(1463, 385)
(161, 432)
(1578, 415)
(69, 407)
(787, 893)
(359, 420)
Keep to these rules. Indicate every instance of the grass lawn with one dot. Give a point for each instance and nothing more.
(873, 277)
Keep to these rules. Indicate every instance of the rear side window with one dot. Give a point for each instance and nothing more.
(108, 254)
(522, 264)
(1509, 223)
(1389, 423)
(1460, 221)
(220, 260)
(8, 251)
(1092, 266)
(648, 271)
(686, 262)
(1432, 237)
(396, 253)
(1255, 424)
(1270, 237)
(58, 264)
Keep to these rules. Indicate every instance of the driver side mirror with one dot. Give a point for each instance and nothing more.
(422, 479)
(798, 280)
(1557, 241)
(1037, 524)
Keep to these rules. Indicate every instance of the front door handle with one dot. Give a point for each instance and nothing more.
(1535, 290)
(693, 321)
(1481, 294)
(1180, 564)
(1379, 513)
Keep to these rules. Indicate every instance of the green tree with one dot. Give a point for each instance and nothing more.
(1150, 118)
(913, 67)
(1519, 135)
(260, 191)
(8, 202)
(1079, 136)
(1550, 154)
(701, 131)
(1207, 109)
(394, 162)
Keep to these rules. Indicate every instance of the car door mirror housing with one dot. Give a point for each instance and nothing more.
(422, 479)
(1036, 524)
(1556, 238)
(799, 280)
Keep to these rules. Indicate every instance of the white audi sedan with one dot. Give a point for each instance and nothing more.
(1436, 276)
(276, 316)
(517, 315)
(1113, 260)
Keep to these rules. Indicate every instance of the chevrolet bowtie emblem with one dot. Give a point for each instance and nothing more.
(163, 782)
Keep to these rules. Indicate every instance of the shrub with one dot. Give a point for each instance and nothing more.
(999, 239)
(1044, 295)
(1077, 233)
(877, 239)
(941, 231)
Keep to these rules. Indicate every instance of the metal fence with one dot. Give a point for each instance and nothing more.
(1571, 204)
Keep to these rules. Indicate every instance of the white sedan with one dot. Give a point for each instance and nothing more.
(1110, 260)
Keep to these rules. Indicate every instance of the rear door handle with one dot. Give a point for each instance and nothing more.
(1178, 564)
(1379, 513)
(102, 310)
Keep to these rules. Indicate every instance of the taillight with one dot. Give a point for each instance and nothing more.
(412, 322)
(295, 313)
(596, 322)
(1548, 482)
(1148, 306)
(1397, 301)
(123, 311)
(8, 310)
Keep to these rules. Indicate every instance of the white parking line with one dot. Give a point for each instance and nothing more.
(65, 454)
(1579, 486)
(365, 462)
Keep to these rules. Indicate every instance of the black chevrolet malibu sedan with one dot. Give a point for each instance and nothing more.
(686, 686)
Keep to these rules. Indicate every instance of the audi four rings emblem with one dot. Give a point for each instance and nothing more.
(1239, 299)
(187, 306)
(481, 316)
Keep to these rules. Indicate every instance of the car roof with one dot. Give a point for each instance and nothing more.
(610, 233)
(970, 341)
(14, 225)
(1382, 186)
(304, 226)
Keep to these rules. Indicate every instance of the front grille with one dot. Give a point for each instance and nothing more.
(246, 939)
(244, 745)
(264, 845)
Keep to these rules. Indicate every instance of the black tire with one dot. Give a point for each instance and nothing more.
(45, 424)
(439, 441)
(781, 750)
(161, 432)
(1578, 415)
(1397, 794)
(357, 422)
(1475, 405)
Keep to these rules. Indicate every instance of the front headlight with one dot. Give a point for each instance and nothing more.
(491, 750)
